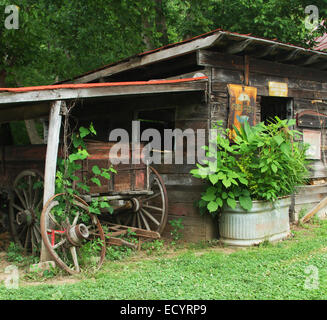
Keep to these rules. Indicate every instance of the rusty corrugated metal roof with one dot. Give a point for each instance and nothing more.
(322, 43)
(230, 37)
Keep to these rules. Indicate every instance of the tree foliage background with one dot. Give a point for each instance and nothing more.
(59, 39)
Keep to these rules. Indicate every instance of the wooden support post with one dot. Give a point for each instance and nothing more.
(51, 161)
(246, 70)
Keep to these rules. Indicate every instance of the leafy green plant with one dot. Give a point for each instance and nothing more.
(151, 247)
(15, 254)
(114, 253)
(68, 181)
(264, 162)
(176, 231)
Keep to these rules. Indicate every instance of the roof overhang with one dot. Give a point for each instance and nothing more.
(34, 102)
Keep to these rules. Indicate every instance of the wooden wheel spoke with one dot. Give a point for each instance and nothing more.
(22, 231)
(28, 236)
(53, 219)
(36, 196)
(37, 233)
(144, 220)
(27, 201)
(152, 197)
(20, 209)
(75, 259)
(76, 219)
(134, 220)
(139, 225)
(153, 208)
(148, 214)
(60, 243)
(20, 198)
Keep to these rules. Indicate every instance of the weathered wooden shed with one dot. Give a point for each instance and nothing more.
(193, 84)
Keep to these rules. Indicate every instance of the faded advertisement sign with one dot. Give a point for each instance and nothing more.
(242, 105)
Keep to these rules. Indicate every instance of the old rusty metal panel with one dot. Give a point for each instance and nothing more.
(311, 119)
(242, 105)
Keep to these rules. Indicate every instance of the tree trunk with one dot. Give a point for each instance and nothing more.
(161, 22)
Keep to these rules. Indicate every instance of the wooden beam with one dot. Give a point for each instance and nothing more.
(51, 161)
(157, 56)
(246, 70)
(23, 112)
(234, 62)
(68, 94)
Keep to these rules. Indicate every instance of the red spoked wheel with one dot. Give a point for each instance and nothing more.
(73, 236)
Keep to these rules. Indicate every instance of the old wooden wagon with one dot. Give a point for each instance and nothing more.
(137, 195)
(190, 85)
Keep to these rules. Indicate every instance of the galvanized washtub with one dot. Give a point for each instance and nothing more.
(265, 221)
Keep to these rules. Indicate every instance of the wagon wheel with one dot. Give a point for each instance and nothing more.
(25, 207)
(149, 212)
(72, 235)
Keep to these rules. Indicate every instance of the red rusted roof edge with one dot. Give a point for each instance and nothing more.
(97, 85)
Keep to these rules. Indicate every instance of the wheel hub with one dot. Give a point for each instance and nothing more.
(77, 234)
(136, 204)
(24, 217)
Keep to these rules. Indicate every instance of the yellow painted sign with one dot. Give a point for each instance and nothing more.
(278, 89)
(242, 106)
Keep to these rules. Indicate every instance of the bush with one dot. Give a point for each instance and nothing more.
(262, 162)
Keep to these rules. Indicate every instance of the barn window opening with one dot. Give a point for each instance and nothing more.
(157, 119)
(276, 106)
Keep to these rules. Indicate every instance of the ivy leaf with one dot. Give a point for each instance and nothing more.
(104, 204)
(83, 132)
(96, 170)
(83, 186)
(274, 168)
(243, 180)
(245, 202)
(212, 206)
(227, 183)
(106, 175)
(219, 202)
(213, 178)
(231, 203)
(208, 197)
(92, 130)
(96, 181)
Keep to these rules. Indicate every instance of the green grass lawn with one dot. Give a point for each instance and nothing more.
(266, 272)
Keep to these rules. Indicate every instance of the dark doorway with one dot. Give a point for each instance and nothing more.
(276, 106)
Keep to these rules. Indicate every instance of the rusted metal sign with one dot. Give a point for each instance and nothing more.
(314, 139)
(242, 106)
(311, 119)
(278, 89)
